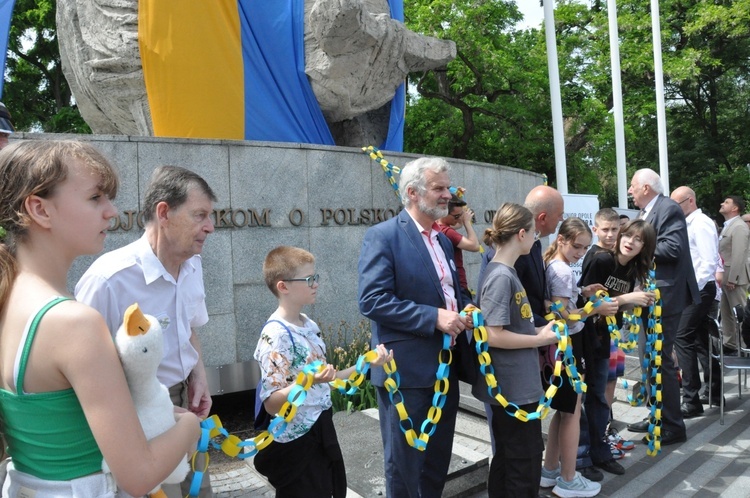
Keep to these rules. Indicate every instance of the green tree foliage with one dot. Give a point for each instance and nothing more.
(35, 90)
(492, 102)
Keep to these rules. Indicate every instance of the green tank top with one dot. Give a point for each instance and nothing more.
(47, 433)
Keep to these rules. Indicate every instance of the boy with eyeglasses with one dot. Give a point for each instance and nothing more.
(458, 215)
(289, 341)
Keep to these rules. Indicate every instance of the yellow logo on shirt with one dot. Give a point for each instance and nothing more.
(519, 296)
(526, 311)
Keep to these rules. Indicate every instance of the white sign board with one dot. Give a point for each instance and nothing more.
(582, 206)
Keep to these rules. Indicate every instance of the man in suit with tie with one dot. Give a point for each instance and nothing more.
(733, 248)
(409, 288)
(675, 278)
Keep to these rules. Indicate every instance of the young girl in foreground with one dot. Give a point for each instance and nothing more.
(571, 244)
(515, 469)
(620, 272)
(64, 401)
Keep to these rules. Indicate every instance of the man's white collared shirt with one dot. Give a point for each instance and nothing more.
(133, 274)
(704, 246)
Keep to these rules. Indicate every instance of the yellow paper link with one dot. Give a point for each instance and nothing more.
(390, 385)
(434, 414)
(217, 425)
(288, 411)
(338, 384)
(390, 367)
(425, 438)
(401, 409)
(194, 462)
(443, 389)
(484, 358)
(230, 445)
(411, 436)
(588, 308)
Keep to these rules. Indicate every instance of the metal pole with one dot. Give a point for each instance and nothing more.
(661, 119)
(555, 100)
(614, 49)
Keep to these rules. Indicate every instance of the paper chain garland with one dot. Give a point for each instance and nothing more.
(388, 168)
(232, 445)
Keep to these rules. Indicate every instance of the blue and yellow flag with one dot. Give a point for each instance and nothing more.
(6, 11)
(235, 69)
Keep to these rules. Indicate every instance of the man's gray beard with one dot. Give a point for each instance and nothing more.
(435, 213)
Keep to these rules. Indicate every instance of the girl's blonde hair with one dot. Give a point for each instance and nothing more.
(570, 229)
(508, 221)
(37, 167)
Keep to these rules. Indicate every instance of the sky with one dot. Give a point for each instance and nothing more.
(533, 13)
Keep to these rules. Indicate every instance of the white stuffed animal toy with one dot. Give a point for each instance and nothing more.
(139, 344)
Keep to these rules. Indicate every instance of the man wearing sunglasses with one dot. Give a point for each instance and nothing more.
(163, 273)
(460, 215)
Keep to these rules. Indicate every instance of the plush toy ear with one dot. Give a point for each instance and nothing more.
(135, 321)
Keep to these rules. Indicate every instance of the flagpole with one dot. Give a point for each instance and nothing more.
(661, 119)
(555, 100)
(614, 50)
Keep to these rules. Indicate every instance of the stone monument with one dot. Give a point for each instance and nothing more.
(356, 56)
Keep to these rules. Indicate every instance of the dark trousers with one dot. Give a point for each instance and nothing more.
(310, 466)
(690, 333)
(516, 468)
(597, 411)
(671, 414)
(410, 473)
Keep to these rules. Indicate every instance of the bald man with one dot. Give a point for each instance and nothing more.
(692, 334)
(547, 206)
(675, 278)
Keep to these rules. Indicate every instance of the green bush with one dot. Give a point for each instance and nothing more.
(344, 345)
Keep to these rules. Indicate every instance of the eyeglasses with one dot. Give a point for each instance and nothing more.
(311, 280)
(683, 200)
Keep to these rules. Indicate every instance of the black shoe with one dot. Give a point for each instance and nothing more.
(612, 467)
(690, 411)
(592, 474)
(641, 426)
(703, 399)
(669, 437)
(729, 351)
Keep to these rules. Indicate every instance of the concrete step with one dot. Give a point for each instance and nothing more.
(361, 444)
(715, 460)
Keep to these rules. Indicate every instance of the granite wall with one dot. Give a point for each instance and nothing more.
(316, 197)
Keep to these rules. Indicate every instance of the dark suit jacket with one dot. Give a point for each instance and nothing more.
(675, 276)
(399, 290)
(530, 269)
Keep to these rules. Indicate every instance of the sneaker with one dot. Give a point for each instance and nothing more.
(617, 453)
(549, 477)
(614, 438)
(579, 486)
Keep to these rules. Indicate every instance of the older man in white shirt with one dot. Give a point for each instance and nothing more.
(162, 271)
(704, 252)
